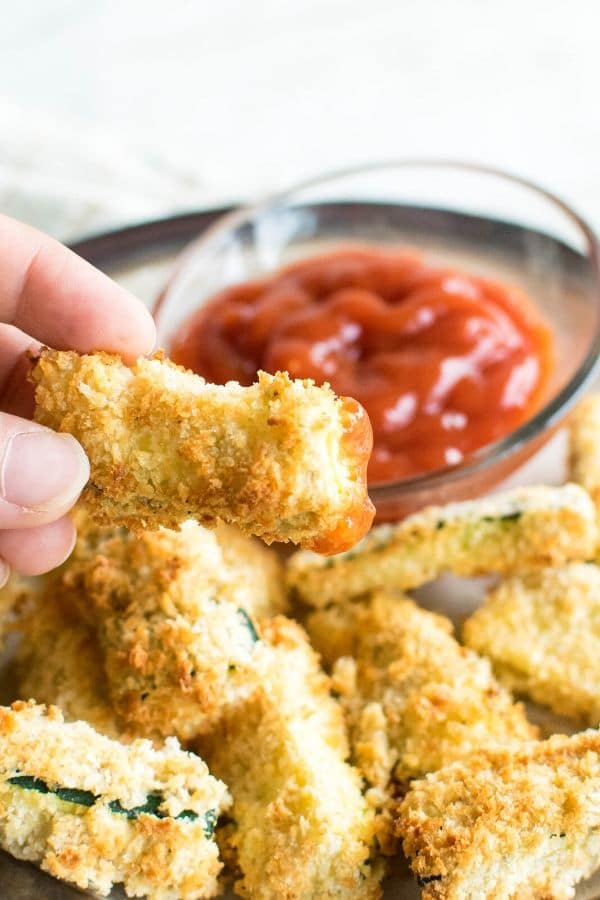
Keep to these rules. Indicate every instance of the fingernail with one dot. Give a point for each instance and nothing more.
(43, 471)
(4, 573)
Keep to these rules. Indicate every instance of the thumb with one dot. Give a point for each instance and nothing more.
(41, 473)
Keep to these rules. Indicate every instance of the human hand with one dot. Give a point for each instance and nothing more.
(49, 295)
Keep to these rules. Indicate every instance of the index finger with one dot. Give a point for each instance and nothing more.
(55, 296)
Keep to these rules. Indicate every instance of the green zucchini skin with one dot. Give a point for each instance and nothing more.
(249, 625)
(85, 798)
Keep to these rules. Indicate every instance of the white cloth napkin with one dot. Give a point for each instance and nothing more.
(73, 181)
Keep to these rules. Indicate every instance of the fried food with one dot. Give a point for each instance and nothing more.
(8, 598)
(542, 634)
(507, 824)
(252, 572)
(301, 828)
(584, 445)
(177, 648)
(284, 460)
(232, 565)
(435, 699)
(59, 662)
(95, 812)
(415, 700)
(510, 532)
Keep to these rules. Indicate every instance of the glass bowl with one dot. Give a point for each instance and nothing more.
(477, 218)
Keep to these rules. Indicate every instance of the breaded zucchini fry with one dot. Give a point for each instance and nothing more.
(95, 812)
(9, 598)
(507, 825)
(302, 829)
(251, 573)
(59, 662)
(542, 634)
(176, 647)
(284, 460)
(510, 532)
(230, 564)
(584, 445)
(415, 699)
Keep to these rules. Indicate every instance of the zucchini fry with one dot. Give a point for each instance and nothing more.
(584, 445)
(177, 648)
(510, 532)
(95, 812)
(542, 634)
(250, 572)
(415, 700)
(9, 595)
(284, 460)
(301, 828)
(59, 662)
(228, 563)
(507, 824)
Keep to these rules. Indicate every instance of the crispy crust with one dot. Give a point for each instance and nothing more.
(12, 596)
(88, 843)
(301, 827)
(542, 634)
(59, 662)
(284, 460)
(177, 648)
(415, 699)
(508, 825)
(252, 572)
(584, 445)
(514, 531)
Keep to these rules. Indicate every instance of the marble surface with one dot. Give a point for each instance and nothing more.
(112, 113)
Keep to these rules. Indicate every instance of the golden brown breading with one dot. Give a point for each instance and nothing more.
(284, 460)
(177, 648)
(542, 634)
(59, 662)
(333, 630)
(510, 532)
(301, 828)
(95, 812)
(507, 824)
(13, 595)
(252, 573)
(584, 445)
(415, 699)
(233, 565)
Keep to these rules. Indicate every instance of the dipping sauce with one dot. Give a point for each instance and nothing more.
(443, 361)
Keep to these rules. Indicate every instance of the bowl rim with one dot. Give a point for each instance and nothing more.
(547, 416)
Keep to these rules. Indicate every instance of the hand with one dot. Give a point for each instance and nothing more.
(49, 295)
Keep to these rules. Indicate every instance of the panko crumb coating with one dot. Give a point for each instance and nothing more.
(301, 828)
(284, 460)
(178, 649)
(584, 445)
(96, 813)
(518, 824)
(252, 572)
(60, 663)
(542, 633)
(10, 597)
(415, 700)
(521, 529)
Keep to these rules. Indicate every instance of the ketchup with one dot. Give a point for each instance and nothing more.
(443, 361)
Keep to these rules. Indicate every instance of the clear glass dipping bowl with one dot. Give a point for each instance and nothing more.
(476, 218)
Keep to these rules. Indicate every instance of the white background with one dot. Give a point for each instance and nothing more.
(111, 112)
